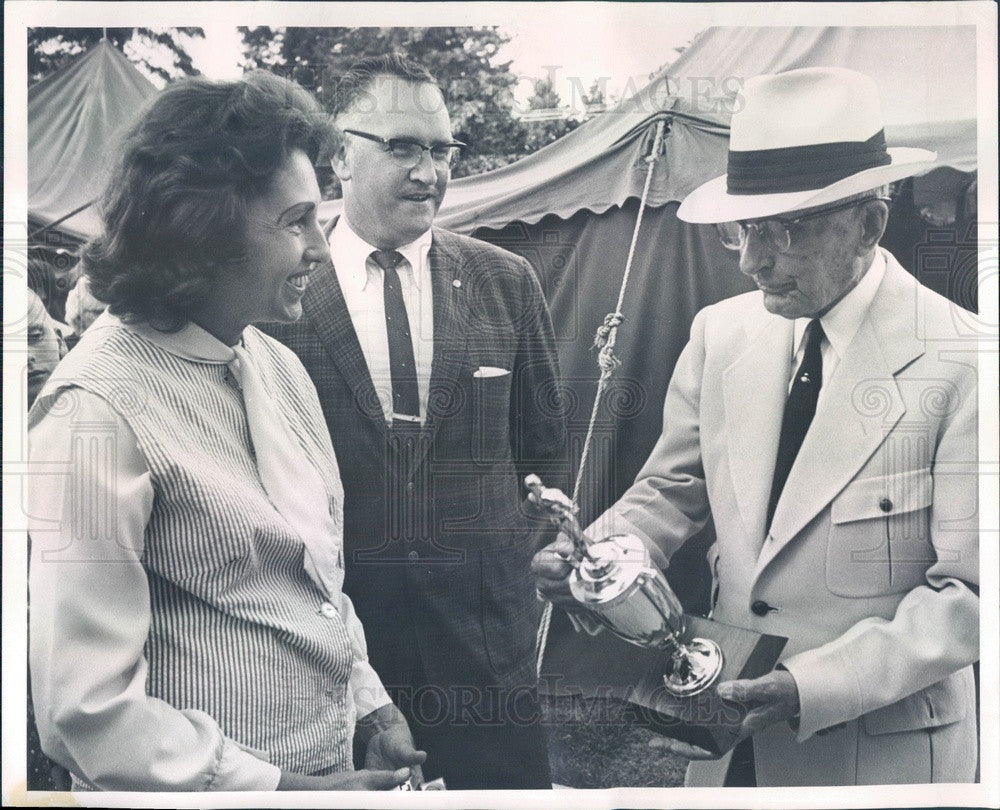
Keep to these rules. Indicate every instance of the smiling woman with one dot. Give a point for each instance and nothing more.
(206, 171)
(218, 650)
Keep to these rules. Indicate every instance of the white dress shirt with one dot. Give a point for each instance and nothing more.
(99, 675)
(361, 281)
(840, 324)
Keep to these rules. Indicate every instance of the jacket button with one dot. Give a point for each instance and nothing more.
(413, 556)
(885, 505)
(328, 610)
(409, 486)
(760, 608)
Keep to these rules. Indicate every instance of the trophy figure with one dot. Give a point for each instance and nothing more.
(615, 579)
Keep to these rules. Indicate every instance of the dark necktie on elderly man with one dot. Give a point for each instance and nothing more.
(799, 411)
(402, 364)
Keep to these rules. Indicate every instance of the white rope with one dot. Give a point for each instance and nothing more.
(604, 341)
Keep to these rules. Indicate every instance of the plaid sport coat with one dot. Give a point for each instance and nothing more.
(437, 543)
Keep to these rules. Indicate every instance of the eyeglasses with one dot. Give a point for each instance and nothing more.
(774, 231)
(407, 152)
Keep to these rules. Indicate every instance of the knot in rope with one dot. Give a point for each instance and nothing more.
(607, 361)
(611, 321)
(604, 341)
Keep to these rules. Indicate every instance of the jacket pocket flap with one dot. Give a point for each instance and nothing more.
(883, 496)
(938, 705)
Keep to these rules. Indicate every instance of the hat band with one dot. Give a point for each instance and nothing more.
(803, 168)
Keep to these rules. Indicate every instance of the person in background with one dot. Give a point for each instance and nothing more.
(434, 359)
(46, 346)
(82, 308)
(827, 424)
(188, 627)
(52, 272)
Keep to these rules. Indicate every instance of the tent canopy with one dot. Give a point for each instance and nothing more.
(600, 164)
(74, 116)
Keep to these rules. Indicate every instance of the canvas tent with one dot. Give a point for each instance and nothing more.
(74, 117)
(598, 165)
(571, 207)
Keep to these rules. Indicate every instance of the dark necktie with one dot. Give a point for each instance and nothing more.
(799, 411)
(402, 365)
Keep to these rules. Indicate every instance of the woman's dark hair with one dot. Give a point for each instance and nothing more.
(174, 211)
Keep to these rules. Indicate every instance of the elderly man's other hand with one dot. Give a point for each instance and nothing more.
(551, 567)
(769, 699)
(681, 749)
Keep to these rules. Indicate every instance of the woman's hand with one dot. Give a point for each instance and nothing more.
(389, 744)
(393, 748)
(345, 780)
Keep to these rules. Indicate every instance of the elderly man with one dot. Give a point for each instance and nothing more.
(827, 423)
(434, 359)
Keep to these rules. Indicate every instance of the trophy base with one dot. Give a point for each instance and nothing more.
(605, 666)
(702, 661)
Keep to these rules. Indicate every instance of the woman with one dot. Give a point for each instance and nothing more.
(188, 631)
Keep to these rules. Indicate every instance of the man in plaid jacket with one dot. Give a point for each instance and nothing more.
(434, 359)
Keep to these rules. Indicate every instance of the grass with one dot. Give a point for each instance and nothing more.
(592, 746)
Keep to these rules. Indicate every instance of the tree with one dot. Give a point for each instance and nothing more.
(479, 92)
(51, 48)
(545, 96)
(594, 100)
(547, 120)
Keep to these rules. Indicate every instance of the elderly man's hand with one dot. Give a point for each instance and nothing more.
(769, 699)
(552, 568)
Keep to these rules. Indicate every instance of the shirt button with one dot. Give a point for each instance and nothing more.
(328, 610)
(885, 505)
(760, 608)
(413, 556)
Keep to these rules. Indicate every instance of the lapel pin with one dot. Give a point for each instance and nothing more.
(456, 283)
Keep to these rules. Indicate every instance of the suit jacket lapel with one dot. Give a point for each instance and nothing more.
(860, 407)
(751, 428)
(451, 329)
(324, 305)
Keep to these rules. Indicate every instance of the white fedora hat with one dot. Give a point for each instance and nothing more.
(803, 138)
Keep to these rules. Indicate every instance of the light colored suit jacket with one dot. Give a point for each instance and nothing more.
(871, 565)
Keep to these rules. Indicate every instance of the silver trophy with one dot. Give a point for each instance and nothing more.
(615, 579)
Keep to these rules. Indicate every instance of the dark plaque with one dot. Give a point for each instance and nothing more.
(605, 666)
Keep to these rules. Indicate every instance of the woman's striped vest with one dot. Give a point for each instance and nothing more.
(238, 629)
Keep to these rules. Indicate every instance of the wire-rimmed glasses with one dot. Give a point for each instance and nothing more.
(775, 231)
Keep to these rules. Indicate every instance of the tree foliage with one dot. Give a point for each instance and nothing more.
(543, 130)
(594, 99)
(51, 48)
(479, 90)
